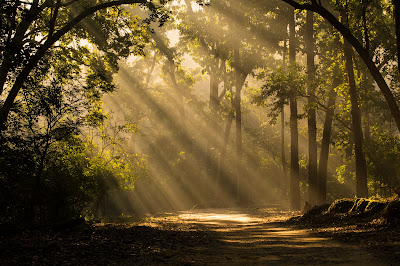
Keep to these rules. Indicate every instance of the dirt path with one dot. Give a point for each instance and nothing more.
(258, 237)
(197, 237)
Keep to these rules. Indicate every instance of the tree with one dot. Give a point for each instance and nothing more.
(294, 135)
(228, 60)
(212, 54)
(317, 7)
(331, 66)
(326, 139)
(361, 166)
(26, 42)
(312, 120)
(55, 105)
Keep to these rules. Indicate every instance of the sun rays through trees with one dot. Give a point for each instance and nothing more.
(123, 108)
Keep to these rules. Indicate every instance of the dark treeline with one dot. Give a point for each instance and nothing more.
(129, 107)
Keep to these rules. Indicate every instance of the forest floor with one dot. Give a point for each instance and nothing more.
(208, 236)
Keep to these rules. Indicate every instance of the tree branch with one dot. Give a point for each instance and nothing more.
(362, 52)
(41, 52)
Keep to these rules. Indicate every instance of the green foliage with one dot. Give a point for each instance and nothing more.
(67, 186)
(48, 171)
(383, 154)
(73, 177)
(279, 85)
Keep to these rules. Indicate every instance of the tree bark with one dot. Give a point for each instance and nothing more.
(221, 166)
(240, 78)
(213, 138)
(238, 123)
(179, 92)
(312, 119)
(294, 134)
(283, 155)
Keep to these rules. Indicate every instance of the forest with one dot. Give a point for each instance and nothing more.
(189, 113)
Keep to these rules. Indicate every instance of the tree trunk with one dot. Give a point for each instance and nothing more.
(312, 119)
(294, 138)
(240, 78)
(221, 166)
(212, 139)
(326, 139)
(283, 155)
(38, 199)
(179, 93)
(214, 82)
(364, 71)
(361, 165)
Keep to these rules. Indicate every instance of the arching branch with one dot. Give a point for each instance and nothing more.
(362, 52)
(42, 50)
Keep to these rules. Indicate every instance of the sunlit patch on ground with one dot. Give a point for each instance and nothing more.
(219, 218)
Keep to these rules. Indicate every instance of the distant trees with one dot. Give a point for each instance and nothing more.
(229, 59)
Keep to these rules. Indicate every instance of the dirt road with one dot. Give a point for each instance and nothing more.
(198, 237)
(244, 237)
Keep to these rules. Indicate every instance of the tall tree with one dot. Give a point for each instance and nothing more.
(361, 165)
(311, 114)
(294, 133)
(326, 138)
(239, 82)
(283, 155)
(212, 55)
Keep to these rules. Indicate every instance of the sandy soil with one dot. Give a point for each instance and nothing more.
(253, 236)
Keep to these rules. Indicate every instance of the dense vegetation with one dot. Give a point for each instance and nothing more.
(128, 107)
